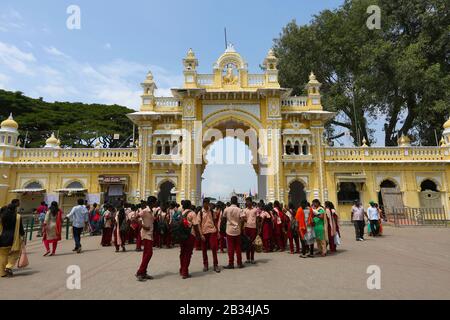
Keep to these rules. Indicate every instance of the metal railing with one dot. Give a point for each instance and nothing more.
(32, 228)
(405, 216)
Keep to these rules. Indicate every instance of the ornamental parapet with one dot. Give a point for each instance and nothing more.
(62, 156)
(386, 154)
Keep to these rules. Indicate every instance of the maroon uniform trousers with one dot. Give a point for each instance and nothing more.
(331, 240)
(267, 235)
(251, 233)
(211, 240)
(146, 256)
(186, 249)
(278, 237)
(222, 241)
(107, 236)
(234, 245)
(138, 237)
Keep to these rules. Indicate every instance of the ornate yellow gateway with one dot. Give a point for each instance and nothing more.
(284, 133)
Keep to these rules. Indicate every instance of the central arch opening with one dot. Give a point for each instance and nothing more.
(229, 171)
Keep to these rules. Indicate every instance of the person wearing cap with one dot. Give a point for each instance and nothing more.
(373, 216)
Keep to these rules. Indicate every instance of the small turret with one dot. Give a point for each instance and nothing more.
(149, 87)
(9, 132)
(190, 69)
(52, 142)
(404, 141)
(313, 88)
(446, 133)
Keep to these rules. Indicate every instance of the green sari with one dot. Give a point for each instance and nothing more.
(319, 229)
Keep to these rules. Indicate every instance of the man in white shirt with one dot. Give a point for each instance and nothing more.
(79, 216)
(235, 217)
(374, 217)
(358, 220)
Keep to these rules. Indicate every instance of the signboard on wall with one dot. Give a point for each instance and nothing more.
(93, 198)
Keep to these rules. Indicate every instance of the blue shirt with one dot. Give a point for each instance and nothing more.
(79, 216)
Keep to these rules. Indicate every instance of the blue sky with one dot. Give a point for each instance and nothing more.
(119, 41)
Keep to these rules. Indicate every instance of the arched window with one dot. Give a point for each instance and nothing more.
(75, 185)
(158, 148)
(166, 147)
(33, 185)
(428, 185)
(347, 192)
(387, 184)
(288, 147)
(297, 148)
(9, 139)
(175, 147)
(305, 148)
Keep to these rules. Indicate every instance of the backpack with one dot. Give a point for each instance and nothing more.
(124, 227)
(163, 226)
(223, 224)
(178, 226)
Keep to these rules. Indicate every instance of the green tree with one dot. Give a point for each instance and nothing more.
(398, 75)
(77, 125)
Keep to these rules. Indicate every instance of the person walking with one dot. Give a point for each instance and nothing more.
(358, 220)
(11, 238)
(234, 216)
(209, 230)
(108, 225)
(52, 228)
(250, 227)
(41, 211)
(373, 217)
(147, 220)
(79, 217)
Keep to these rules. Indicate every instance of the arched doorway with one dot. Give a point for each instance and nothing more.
(31, 197)
(70, 195)
(389, 196)
(297, 193)
(430, 197)
(228, 169)
(166, 192)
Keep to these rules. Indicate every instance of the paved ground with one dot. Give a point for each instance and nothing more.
(414, 262)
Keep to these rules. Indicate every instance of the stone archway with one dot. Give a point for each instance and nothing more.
(297, 193)
(165, 192)
(246, 129)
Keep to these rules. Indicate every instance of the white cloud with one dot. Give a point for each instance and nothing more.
(15, 59)
(53, 51)
(64, 78)
(10, 20)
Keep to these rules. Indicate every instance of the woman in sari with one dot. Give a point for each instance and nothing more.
(108, 225)
(292, 229)
(267, 226)
(52, 228)
(278, 227)
(333, 224)
(120, 230)
(320, 226)
(306, 229)
(11, 238)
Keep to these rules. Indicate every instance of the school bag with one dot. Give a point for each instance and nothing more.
(179, 227)
(223, 224)
(294, 227)
(163, 226)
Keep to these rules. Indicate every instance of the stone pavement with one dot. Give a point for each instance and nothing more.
(414, 262)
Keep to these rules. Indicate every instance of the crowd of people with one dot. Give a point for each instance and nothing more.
(215, 227)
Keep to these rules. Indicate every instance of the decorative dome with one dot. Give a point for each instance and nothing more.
(52, 142)
(404, 141)
(10, 124)
(190, 54)
(447, 124)
(312, 78)
(364, 143)
(149, 78)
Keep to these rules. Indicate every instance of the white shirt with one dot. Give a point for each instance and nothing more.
(372, 213)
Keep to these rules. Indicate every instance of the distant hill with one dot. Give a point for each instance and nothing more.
(77, 124)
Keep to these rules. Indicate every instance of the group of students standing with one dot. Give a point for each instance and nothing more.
(212, 225)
